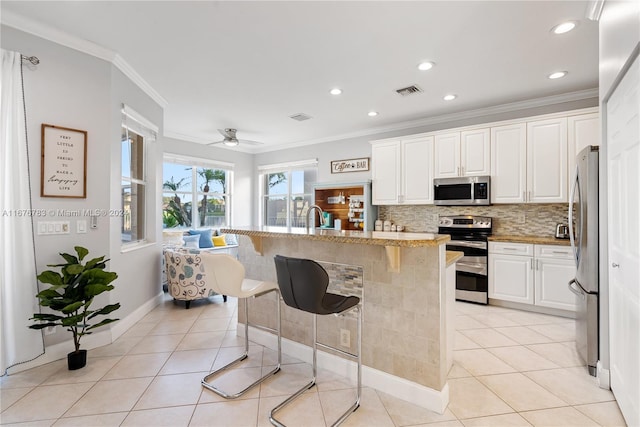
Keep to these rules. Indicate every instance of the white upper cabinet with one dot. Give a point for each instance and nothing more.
(509, 163)
(464, 153)
(547, 161)
(447, 155)
(584, 130)
(475, 149)
(417, 171)
(385, 173)
(402, 171)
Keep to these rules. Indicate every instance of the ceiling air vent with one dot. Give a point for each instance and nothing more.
(301, 117)
(409, 90)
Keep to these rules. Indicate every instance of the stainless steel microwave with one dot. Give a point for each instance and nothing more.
(462, 191)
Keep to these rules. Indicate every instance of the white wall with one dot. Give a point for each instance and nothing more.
(79, 91)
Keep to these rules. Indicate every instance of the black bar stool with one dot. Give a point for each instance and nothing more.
(303, 285)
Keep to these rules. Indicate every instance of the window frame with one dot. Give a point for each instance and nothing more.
(135, 123)
(195, 193)
(288, 169)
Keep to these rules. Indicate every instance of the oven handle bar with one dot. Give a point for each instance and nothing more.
(479, 269)
(468, 244)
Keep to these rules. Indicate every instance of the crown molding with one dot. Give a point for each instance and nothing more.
(63, 38)
(444, 118)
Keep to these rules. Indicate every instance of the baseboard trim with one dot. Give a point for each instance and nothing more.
(401, 388)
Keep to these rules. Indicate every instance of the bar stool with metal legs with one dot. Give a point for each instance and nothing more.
(303, 285)
(227, 277)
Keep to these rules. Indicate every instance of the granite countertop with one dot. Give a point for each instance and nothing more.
(376, 238)
(537, 240)
(453, 256)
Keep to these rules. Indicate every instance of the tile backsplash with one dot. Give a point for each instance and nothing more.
(517, 219)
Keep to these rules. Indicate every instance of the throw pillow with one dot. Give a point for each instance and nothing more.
(191, 241)
(205, 237)
(231, 239)
(219, 241)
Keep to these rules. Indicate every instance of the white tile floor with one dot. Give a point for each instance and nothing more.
(511, 368)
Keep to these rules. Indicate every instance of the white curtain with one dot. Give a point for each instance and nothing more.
(18, 283)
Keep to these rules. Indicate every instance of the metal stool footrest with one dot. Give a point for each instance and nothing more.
(206, 381)
(357, 357)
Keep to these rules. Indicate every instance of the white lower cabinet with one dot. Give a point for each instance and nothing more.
(531, 274)
(553, 270)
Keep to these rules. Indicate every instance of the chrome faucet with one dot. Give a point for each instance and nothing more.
(309, 213)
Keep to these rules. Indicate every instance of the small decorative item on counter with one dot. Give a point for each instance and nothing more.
(386, 226)
(393, 227)
(399, 227)
(337, 224)
(378, 226)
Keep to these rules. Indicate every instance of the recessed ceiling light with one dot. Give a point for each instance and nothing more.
(424, 66)
(450, 97)
(564, 27)
(335, 91)
(557, 75)
(372, 113)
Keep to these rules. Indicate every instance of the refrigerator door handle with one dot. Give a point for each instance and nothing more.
(573, 287)
(572, 195)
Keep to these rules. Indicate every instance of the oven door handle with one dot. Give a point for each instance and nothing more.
(467, 244)
(479, 269)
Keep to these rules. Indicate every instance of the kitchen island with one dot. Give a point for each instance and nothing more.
(407, 342)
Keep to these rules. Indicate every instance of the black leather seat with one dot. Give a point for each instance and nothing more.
(303, 285)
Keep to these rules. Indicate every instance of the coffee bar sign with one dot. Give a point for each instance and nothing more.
(64, 162)
(351, 165)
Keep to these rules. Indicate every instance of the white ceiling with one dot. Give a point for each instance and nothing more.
(250, 65)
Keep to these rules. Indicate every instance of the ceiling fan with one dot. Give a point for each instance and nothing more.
(230, 139)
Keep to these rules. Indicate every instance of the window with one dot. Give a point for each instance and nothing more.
(136, 132)
(196, 194)
(287, 192)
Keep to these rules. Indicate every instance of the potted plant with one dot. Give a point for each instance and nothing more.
(71, 294)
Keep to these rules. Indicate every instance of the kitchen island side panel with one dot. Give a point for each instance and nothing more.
(404, 318)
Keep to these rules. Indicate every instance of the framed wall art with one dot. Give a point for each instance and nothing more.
(64, 162)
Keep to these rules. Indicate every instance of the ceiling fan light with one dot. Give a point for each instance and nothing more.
(335, 91)
(230, 142)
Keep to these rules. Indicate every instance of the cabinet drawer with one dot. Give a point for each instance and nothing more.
(551, 251)
(511, 248)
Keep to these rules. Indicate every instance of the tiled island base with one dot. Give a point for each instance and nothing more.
(404, 340)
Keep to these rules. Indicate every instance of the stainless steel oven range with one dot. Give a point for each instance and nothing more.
(469, 235)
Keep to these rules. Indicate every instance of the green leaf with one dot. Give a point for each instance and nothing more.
(74, 269)
(43, 325)
(105, 310)
(72, 320)
(72, 307)
(51, 277)
(96, 289)
(102, 323)
(92, 263)
(82, 252)
(69, 258)
(46, 316)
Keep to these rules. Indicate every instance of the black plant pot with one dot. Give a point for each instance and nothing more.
(77, 360)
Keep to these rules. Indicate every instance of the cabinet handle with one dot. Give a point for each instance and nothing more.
(458, 171)
(461, 170)
(537, 264)
(524, 196)
(510, 249)
(531, 265)
(560, 252)
(529, 197)
(615, 265)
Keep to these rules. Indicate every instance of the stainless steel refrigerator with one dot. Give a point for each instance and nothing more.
(583, 215)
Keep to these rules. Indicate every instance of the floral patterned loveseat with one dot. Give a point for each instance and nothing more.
(185, 275)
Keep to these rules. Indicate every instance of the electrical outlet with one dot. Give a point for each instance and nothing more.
(50, 330)
(345, 338)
